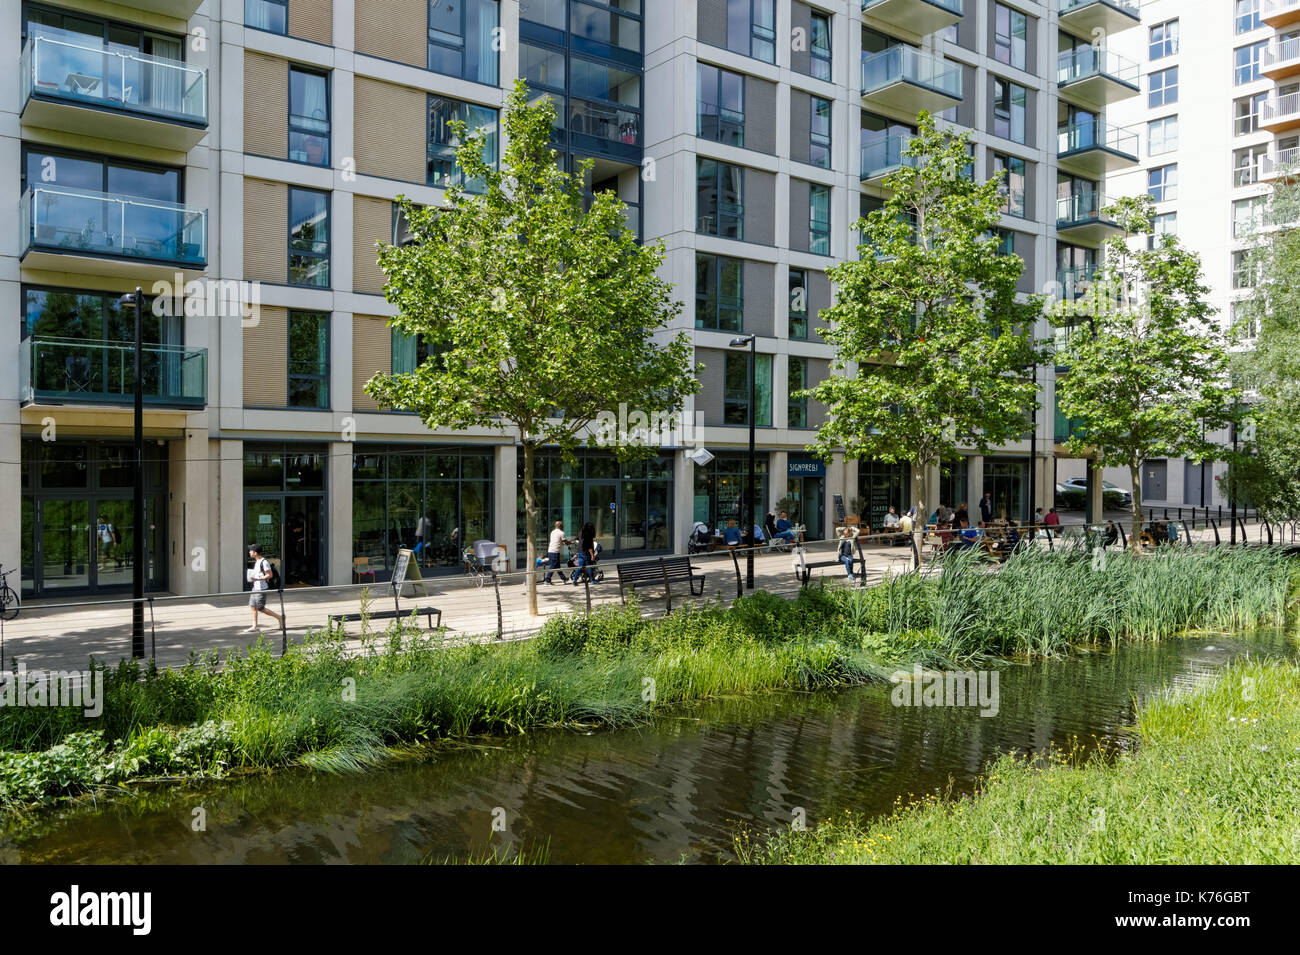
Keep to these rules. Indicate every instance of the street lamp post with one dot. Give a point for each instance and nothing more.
(747, 499)
(136, 298)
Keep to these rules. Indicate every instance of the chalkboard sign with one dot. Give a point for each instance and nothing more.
(406, 565)
(839, 508)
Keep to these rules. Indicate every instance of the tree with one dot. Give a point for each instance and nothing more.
(933, 345)
(538, 316)
(1148, 368)
(1267, 369)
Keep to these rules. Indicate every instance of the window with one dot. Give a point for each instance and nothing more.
(1245, 114)
(1162, 135)
(1246, 16)
(797, 408)
(442, 169)
(1006, 241)
(1247, 216)
(1009, 110)
(309, 117)
(751, 28)
(735, 400)
(463, 39)
(1163, 40)
(309, 360)
(1013, 185)
(1245, 62)
(719, 302)
(541, 66)
(602, 32)
(309, 237)
(819, 219)
(719, 199)
(549, 13)
(1009, 31)
(1162, 183)
(819, 136)
(1245, 164)
(1165, 223)
(798, 322)
(1242, 276)
(1162, 88)
(272, 15)
(720, 113)
(820, 46)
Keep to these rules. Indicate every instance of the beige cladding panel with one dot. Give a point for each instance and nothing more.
(391, 130)
(266, 231)
(372, 222)
(312, 20)
(371, 352)
(266, 359)
(393, 30)
(266, 105)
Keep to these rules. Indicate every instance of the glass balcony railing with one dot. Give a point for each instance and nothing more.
(78, 221)
(613, 129)
(74, 68)
(1075, 280)
(1095, 134)
(1086, 62)
(904, 64)
(885, 155)
(1128, 6)
(955, 7)
(75, 370)
(1080, 209)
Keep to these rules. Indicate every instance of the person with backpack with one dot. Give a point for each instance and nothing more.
(263, 576)
(586, 553)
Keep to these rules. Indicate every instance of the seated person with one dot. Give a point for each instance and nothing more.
(759, 536)
(1012, 538)
(732, 536)
(784, 529)
(905, 523)
(892, 520)
(1173, 532)
(1112, 533)
(970, 536)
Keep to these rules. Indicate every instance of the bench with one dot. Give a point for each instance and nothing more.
(804, 570)
(427, 612)
(669, 569)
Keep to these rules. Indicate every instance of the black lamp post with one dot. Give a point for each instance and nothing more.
(136, 298)
(747, 499)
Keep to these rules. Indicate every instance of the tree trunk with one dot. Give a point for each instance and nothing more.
(530, 518)
(1135, 476)
(918, 500)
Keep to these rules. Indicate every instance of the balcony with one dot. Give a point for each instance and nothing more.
(915, 16)
(1280, 13)
(1080, 219)
(1082, 17)
(180, 9)
(60, 371)
(75, 84)
(1281, 164)
(1281, 58)
(1075, 281)
(1094, 79)
(1279, 114)
(66, 229)
(905, 81)
(884, 156)
(1092, 148)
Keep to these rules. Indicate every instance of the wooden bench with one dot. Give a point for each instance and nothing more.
(859, 562)
(669, 569)
(427, 612)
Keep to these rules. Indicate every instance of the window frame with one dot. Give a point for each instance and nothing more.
(1009, 113)
(717, 263)
(791, 315)
(813, 135)
(1007, 41)
(322, 375)
(1164, 91)
(736, 215)
(1252, 66)
(730, 400)
(1162, 182)
(738, 130)
(1247, 21)
(283, 4)
(1004, 162)
(327, 136)
(817, 54)
(460, 179)
(819, 234)
(1166, 43)
(1163, 124)
(310, 254)
(796, 408)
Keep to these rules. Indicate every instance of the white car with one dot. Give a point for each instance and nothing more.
(1081, 484)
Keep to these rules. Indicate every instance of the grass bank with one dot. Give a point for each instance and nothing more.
(1215, 781)
(322, 707)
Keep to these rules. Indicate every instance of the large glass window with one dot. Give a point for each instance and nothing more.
(820, 45)
(751, 28)
(736, 389)
(272, 15)
(819, 219)
(1162, 88)
(720, 113)
(1163, 40)
(720, 484)
(1013, 184)
(549, 13)
(798, 320)
(463, 39)
(819, 135)
(1248, 215)
(309, 117)
(1245, 62)
(1009, 101)
(1245, 114)
(719, 301)
(309, 237)
(309, 360)
(599, 30)
(1246, 16)
(797, 408)
(1010, 28)
(719, 199)
(541, 66)
(1162, 183)
(442, 169)
(1162, 135)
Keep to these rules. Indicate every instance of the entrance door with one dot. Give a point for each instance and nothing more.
(1155, 481)
(302, 541)
(806, 493)
(263, 524)
(114, 543)
(64, 545)
(602, 500)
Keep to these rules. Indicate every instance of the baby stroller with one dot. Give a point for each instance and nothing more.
(699, 540)
(480, 558)
(597, 575)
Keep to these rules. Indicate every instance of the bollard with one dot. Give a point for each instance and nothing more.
(153, 634)
(496, 586)
(668, 587)
(740, 584)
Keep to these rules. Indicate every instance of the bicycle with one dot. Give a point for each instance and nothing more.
(9, 602)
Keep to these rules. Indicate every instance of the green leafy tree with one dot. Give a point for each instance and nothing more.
(539, 315)
(933, 345)
(1148, 368)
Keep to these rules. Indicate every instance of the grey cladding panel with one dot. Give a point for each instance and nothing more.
(798, 215)
(801, 20)
(800, 125)
(760, 301)
(711, 22)
(760, 115)
(760, 207)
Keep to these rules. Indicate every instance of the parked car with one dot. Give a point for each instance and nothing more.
(1112, 495)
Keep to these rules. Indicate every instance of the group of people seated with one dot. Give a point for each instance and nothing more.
(775, 529)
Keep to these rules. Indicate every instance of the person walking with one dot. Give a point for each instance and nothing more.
(261, 573)
(586, 553)
(553, 553)
(986, 507)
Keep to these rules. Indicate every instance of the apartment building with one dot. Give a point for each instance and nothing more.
(1218, 119)
(247, 155)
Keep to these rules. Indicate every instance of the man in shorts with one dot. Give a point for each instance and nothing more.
(259, 575)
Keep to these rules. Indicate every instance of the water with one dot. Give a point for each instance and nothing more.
(675, 790)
